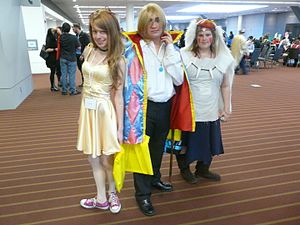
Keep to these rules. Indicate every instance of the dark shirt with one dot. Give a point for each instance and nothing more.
(84, 40)
(68, 44)
(51, 43)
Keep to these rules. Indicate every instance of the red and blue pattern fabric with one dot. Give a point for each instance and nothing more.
(133, 98)
(135, 94)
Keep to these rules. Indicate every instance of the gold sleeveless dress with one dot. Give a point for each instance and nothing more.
(97, 132)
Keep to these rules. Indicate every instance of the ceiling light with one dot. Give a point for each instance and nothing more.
(181, 17)
(114, 11)
(98, 7)
(102, 7)
(88, 13)
(240, 2)
(212, 8)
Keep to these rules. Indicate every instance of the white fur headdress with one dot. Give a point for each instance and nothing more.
(190, 34)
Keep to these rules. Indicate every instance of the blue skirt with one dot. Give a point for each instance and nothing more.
(204, 143)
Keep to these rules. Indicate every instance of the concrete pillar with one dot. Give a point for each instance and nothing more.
(16, 78)
(239, 23)
(129, 18)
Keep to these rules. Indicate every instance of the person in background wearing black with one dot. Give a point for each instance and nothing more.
(51, 47)
(84, 40)
(68, 43)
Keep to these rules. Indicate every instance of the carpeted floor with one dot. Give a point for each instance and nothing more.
(43, 177)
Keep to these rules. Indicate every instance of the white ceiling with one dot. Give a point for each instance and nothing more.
(170, 7)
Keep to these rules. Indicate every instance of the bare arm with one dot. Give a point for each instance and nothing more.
(226, 94)
(85, 52)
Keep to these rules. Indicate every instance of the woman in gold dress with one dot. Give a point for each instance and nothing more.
(100, 130)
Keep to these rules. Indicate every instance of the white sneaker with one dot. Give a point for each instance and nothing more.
(114, 203)
(92, 203)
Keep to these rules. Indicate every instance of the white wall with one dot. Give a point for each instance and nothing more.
(283, 19)
(15, 77)
(51, 23)
(259, 24)
(270, 25)
(35, 28)
(231, 25)
(253, 25)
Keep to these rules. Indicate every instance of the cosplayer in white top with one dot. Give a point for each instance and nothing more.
(210, 69)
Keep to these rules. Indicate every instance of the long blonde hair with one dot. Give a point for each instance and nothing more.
(106, 20)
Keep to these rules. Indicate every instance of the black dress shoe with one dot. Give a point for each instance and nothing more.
(163, 186)
(146, 207)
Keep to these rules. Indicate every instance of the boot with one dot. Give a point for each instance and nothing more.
(202, 170)
(185, 171)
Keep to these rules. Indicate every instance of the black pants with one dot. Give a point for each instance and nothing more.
(157, 128)
(52, 72)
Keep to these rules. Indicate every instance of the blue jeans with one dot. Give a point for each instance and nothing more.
(68, 67)
(243, 66)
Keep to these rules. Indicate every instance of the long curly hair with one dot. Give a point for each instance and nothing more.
(105, 20)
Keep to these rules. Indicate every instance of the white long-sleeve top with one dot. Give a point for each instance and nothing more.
(160, 84)
(206, 77)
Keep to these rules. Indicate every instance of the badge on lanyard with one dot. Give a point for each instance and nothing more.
(90, 103)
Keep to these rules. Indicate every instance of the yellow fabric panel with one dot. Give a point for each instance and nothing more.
(132, 158)
(177, 135)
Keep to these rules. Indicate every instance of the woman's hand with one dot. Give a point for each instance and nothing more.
(224, 116)
(50, 50)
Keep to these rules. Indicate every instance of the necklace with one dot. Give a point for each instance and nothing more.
(100, 61)
(161, 67)
(103, 50)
